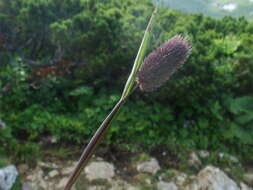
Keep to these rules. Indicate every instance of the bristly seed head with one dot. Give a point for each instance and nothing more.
(160, 64)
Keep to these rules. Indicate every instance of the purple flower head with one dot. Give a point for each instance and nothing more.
(160, 64)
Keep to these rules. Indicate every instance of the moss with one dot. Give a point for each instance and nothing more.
(143, 178)
(100, 182)
(148, 187)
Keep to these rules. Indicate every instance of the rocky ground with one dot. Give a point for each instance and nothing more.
(142, 173)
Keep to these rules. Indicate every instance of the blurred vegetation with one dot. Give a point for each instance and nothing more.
(63, 64)
(214, 8)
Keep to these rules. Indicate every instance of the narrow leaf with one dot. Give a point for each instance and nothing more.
(139, 58)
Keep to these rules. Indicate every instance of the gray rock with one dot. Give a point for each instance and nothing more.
(194, 160)
(180, 179)
(8, 177)
(166, 186)
(211, 178)
(97, 187)
(2, 125)
(53, 140)
(99, 170)
(27, 186)
(43, 184)
(36, 175)
(245, 187)
(130, 187)
(34, 186)
(67, 170)
(248, 177)
(47, 165)
(99, 159)
(204, 154)
(36, 179)
(53, 173)
(228, 157)
(121, 185)
(62, 183)
(150, 166)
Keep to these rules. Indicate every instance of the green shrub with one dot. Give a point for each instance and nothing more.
(199, 108)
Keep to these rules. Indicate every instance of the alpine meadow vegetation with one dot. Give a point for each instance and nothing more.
(61, 72)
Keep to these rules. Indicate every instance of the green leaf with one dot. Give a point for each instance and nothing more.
(229, 44)
(81, 91)
(245, 118)
(242, 104)
(139, 58)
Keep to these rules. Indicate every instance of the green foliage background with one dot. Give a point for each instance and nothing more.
(206, 105)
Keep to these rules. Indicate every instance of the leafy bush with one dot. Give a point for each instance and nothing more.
(242, 110)
(201, 107)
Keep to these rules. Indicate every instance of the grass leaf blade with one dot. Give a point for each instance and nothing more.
(139, 58)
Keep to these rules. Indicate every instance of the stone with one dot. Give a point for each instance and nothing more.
(2, 124)
(43, 164)
(204, 154)
(53, 173)
(43, 184)
(53, 140)
(229, 157)
(99, 159)
(31, 186)
(122, 185)
(161, 185)
(29, 177)
(27, 186)
(211, 178)
(47, 165)
(192, 177)
(130, 187)
(36, 180)
(8, 177)
(62, 183)
(67, 170)
(180, 179)
(248, 178)
(194, 160)
(143, 178)
(117, 185)
(96, 187)
(245, 187)
(99, 170)
(148, 181)
(72, 163)
(150, 166)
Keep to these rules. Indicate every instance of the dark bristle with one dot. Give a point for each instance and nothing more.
(160, 64)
